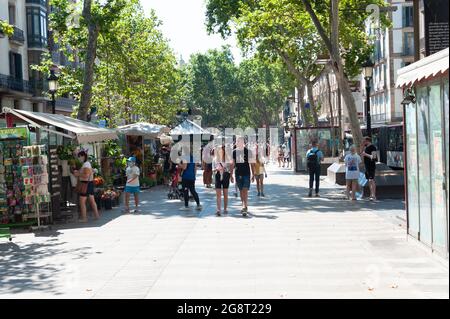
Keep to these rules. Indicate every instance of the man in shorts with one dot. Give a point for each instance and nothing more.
(370, 160)
(244, 170)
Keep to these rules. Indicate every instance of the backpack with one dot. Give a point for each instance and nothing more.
(313, 160)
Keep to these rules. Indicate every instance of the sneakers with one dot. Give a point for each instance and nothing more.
(199, 207)
(262, 195)
(259, 194)
(218, 213)
(185, 208)
(244, 211)
(317, 195)
(310, 193)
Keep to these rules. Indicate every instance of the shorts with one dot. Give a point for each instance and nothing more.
(132, 189)
(370, 173)
(243, 182)
(287, 159)
(224, 183)
(89, 190)
(259, 177)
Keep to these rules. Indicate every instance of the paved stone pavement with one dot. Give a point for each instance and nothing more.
(290, 246)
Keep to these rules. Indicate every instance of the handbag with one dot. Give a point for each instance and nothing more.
(81, 187)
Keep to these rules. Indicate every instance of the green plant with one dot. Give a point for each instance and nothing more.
(65, 152)
(94, 162)
(75, 162)
(112, 149)
(6, 28)
(121, 162)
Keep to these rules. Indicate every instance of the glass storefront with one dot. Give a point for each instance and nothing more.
(325, 139)
(426, 124)
(412, 178)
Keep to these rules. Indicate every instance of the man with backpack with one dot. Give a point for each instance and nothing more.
(313, 158)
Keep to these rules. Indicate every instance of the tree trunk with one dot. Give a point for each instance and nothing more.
(333, 135)
(301, 95)
(88, 78)
(333, 49)
(309, 88)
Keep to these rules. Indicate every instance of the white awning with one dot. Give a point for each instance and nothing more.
(82, 131)
(143, 129)
(424, 69)
(189, 128)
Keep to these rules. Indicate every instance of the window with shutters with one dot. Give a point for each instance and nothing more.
(408, 16)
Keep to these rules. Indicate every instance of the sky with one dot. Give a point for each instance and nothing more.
(184, 26)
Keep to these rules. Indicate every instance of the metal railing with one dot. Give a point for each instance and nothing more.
(11, 83)
(18, 35)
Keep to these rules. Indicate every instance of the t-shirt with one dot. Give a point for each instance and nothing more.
(220, 166)
(88, 165)
(352, 162)
(240, 158)
(369, 163)
(131, 173)
(189, 172)
(259, 168)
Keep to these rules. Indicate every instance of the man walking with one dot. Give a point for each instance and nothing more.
(313, 158)
(370, 160)
(245, 172)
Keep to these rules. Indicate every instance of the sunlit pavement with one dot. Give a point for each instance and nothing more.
(290, 246)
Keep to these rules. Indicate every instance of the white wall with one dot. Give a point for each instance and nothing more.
(6, 45)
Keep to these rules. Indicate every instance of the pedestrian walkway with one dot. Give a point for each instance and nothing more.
(290, 246)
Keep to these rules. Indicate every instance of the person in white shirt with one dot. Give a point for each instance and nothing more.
(132, 186)
(352, 162)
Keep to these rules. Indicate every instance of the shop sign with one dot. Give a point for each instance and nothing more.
(14, 133)
(436, 26)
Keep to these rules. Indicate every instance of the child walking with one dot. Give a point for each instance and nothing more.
(352, 162)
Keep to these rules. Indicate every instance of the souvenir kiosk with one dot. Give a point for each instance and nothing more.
(31, 171)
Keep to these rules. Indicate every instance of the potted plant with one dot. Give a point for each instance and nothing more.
(5, 29)
(107, 199)
(65, 154)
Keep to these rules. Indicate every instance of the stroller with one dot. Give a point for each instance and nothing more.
(176, 190)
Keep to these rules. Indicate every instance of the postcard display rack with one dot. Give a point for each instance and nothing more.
(24, 194)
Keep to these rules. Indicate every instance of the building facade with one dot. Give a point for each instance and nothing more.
(331, 105)
(21, 87)
(394, 49)
(18, 87)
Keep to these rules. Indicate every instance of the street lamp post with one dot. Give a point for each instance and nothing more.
(368, 74)
(52, 88)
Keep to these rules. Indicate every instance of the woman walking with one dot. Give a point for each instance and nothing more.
(188, 182)
(352, 162)
(260, 173)
(86, 177)
(280, 156)
(222, 175)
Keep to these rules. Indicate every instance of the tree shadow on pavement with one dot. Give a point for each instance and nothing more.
(23, 267)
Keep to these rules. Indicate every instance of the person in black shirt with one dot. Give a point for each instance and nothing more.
(370, 160)
(245, 171)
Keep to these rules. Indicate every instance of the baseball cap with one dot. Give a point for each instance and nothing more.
(132, 159)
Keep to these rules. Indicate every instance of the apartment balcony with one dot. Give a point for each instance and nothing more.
(41, 2)
(37, 42)
(38, 87)
(18, 36)
(383, 118)
(9, 83)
